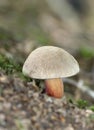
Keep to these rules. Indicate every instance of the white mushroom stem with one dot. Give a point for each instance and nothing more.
(54, 87)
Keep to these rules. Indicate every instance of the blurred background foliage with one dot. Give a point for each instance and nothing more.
(28, 24)
(66, 23)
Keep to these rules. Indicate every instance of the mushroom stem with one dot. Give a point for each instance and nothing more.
(54, 87)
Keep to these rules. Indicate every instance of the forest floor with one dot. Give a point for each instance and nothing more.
(23, 105)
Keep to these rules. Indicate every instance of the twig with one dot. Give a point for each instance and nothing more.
(81, 86)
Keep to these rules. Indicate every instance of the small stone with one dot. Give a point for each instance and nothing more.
(69, 127)
(2, 117)
(7, 105)
(88, 112)
(49, 99)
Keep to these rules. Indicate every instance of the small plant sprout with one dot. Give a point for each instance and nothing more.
(51, 64)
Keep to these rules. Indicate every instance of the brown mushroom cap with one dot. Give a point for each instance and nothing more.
(50, 62)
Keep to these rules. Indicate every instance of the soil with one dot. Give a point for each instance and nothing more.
(24, 107)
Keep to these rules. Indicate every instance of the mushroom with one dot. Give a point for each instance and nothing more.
(51, 64)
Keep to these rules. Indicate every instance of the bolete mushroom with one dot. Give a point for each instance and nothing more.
(51, 64)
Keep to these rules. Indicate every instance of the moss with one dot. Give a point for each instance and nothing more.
(23, 77)
(86, 52)
(82, 104)
(91, 108)
(70, 101)
(19, 124)
(9, 66)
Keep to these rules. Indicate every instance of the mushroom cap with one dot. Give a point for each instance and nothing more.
(49, 62)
